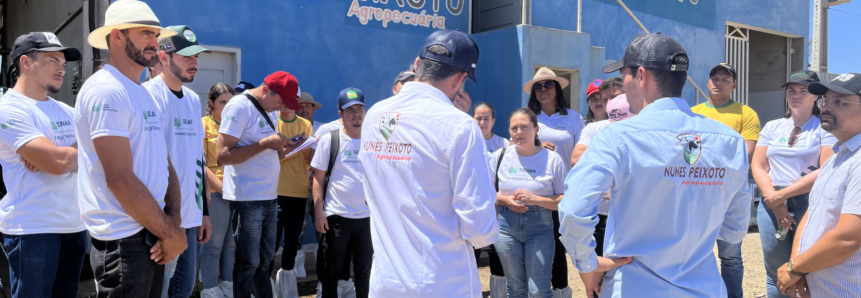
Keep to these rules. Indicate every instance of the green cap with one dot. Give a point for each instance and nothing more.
(184, 43)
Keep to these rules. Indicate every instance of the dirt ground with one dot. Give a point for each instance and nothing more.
(754, 272)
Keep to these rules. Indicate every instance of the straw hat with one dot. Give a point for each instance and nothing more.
(125, 14)
(544, 74)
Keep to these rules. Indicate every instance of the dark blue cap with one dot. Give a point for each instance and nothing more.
(463, 50)
(242, 86)
(350, 97)
(847, 83)
(652, 51)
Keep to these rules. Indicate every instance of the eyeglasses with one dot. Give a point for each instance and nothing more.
(824, 101)
(546, 85)
(793, 138)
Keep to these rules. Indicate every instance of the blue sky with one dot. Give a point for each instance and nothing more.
(843, 37)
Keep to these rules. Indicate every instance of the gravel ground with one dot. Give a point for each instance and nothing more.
(754, 272)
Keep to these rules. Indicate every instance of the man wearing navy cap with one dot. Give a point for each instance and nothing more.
(827, 255)
(44, 235)
(402, 78)
(427, 179)
(242, 86)
(341, 210)
(678, 183)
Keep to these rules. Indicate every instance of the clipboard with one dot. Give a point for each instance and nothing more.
(308, 142)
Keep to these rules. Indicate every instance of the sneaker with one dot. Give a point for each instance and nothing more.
(211, 293)
(286, 284)
(346, 289)
(226, 289)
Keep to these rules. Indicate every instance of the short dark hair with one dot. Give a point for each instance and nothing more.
(611, 82)
(670, 83)
(486, 105)
(32, 55)
(430, 70)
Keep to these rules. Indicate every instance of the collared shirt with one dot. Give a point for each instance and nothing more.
(678, 183)
(836, 191)
(429, 190)
(182, 134)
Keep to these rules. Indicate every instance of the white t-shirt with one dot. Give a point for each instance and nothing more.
(542, 174)
(562, 140)
(183, 133)
(589, 133)
(110, 104)
(573, 123)
(788, 164)
(345, 195)
(316, 125)
(256, 179)
(37, 202)
(495, 143)
(325, 129)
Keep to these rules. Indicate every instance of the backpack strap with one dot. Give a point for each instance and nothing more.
(498, 164)
(333, 154)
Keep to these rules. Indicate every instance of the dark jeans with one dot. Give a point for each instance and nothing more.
(559, 278)
(182, 282)
(346, 236)
(255, 248)
(600, 228)
(291, 219)
(493, 259)
(42, 264)
(123, 268)
(776, 252)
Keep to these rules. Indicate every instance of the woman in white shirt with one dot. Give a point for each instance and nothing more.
(785, 164)
(560, 129)
(485, 115)
(530, 182)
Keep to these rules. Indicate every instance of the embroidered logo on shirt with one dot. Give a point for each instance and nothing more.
(9, 123)
(261, 124)
(388, 123)
(692, 143)
(177, 123)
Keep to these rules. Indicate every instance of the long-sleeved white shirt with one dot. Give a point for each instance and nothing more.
(430, 193)
(678, 182)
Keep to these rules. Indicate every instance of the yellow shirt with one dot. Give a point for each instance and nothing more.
(293, 179)
(210, 130)
(739, 117)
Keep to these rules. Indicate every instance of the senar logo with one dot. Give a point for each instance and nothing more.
(692, 144)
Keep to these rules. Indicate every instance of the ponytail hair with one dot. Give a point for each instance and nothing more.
(532, 118)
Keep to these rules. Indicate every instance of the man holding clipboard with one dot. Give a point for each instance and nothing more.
(248, 146)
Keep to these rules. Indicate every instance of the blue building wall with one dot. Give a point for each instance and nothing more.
(611, 27)
(314, 40)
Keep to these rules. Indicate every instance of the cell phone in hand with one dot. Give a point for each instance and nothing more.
(296, 139)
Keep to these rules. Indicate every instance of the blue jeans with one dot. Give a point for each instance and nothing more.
(776, 252)
(255, 248)
(182, 282)
(42, 264)
(731, 268)
(526, 247)
(218, 254)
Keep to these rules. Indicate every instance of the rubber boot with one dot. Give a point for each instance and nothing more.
(211, 293)
(346, 289)
(498, 287)
(285, 285)
(563, 293)
(300, 264)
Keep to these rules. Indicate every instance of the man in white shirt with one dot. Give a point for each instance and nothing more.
(427, 181)
(128, 191)
(39, 217)
(342, 214)
(250, 148)
(180, 109)
(826, 254)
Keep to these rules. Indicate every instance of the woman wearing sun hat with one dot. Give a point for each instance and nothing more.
(559, 130)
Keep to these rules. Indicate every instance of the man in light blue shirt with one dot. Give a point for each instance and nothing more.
(678, 183)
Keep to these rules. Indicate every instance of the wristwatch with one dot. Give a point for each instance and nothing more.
(791, 269)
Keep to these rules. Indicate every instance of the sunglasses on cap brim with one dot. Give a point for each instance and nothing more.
(545, 85)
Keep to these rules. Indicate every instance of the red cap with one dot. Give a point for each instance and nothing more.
(594, 87)
(286, 86)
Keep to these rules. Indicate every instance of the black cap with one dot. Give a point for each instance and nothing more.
(463, 50)
(804, 77)
(242, 86)
(727, 67)
(403, 76)
(652, 51)
(350, 97)
(847, 83)
(43, 42)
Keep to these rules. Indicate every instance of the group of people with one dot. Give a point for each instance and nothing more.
(406, 203)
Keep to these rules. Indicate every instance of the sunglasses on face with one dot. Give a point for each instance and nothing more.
(547, 85)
